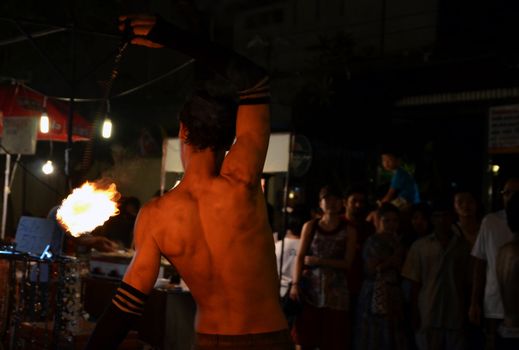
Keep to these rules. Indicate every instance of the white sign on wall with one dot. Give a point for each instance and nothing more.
(503, 129)
(19, 135)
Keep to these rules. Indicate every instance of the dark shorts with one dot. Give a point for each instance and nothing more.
(279, 340)
(322, 327)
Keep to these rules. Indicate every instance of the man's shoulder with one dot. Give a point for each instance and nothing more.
(494, 218)
(168, 204)
(511, 248)
(425, 240)
(401, 172)
(492, 223)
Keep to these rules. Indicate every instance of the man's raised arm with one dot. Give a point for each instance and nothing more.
(244, 162)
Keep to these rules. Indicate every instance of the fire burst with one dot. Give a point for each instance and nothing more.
(88, 207)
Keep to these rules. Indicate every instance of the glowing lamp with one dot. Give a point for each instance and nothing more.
(44, 123)
(107, 128)
(48, 167)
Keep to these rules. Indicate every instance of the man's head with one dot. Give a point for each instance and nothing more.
(512, 213)
(511, 187)
(354, 201)
(442, 216)
(390, 161)
(421, 218)
(131, 206)
(209, 122)
(295, 222)
(389, 218)
(330, 199)
(465, 203)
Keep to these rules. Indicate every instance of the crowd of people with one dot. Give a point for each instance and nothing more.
(410, 274)
(395, 278)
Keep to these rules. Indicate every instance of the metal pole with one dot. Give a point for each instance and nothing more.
(70, 122)
(284, 225)
(163, 165)
(6, 191)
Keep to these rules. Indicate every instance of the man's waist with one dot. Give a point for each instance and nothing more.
(249, 318)
(237, 340)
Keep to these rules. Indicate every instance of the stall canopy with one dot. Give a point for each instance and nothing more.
(20, 110)
(18, 101)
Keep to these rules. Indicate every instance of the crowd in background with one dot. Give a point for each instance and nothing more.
(400, 273)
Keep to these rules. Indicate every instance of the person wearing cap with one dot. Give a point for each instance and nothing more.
(437, 266)
(319, 281)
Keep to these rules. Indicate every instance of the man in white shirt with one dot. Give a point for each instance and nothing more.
(290, 248)
(493, 234)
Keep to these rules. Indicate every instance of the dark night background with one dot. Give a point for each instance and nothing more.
(351, 76)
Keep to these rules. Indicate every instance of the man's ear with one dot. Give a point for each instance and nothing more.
(182, 133)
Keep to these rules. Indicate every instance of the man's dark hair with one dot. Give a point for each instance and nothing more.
(131, 201)
(386, 208)
(512, 213)
(356, 188)
(295, 222)
(392, 149)
(442, 204)
(330, 190)
(424, 208)
(210, 121)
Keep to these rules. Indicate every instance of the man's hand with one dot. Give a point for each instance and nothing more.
(99, 243)
(140, 26)
(294, 292)
(475, 314)
(311, 260)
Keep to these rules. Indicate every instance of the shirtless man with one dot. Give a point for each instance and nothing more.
(213, 226)
(507, 269)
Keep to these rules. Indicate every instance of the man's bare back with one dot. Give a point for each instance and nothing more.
(213, 226)
(220, 242)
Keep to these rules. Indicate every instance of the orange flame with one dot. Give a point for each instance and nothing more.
(88, 207)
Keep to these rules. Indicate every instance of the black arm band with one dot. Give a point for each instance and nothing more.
(255, 101)
(120, 316)
(240, 71)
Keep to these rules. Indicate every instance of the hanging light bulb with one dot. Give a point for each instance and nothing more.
(44, 123)
(106, 132)
(48, 167)
(44, 119)
(107, 128)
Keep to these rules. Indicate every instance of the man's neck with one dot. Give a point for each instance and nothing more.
(444, 237)
(330, 219)
(468, 220)
(290, 234)
(201, 164)
(352, 217)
